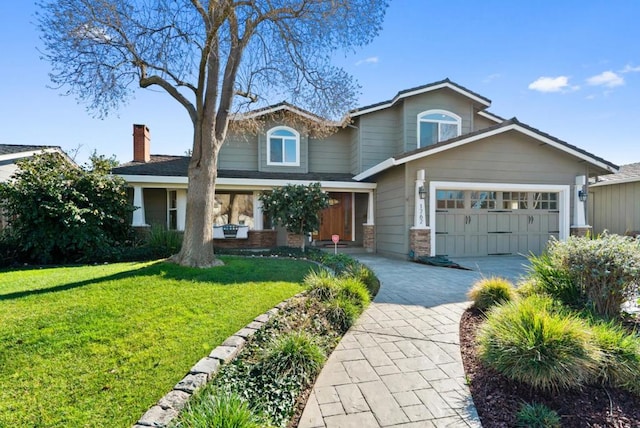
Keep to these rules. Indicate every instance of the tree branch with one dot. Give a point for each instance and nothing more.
(145, 82)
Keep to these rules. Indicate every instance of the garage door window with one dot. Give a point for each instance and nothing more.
(514, 201)
(483, 200)
(450, 199)
(545, 201)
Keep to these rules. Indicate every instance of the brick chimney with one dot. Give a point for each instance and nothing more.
(141, 144)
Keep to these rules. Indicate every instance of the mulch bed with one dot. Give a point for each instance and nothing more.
(498, 399)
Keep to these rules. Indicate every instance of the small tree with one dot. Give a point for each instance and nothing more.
(296, 207)
(59, 212)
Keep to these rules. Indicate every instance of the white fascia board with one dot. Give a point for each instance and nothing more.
(422, 91)
(498, 131)
(385, 164)
(27, 154)
(489, 116)
(612, 182)
(154, 181)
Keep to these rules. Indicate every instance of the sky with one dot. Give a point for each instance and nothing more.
(570, 68)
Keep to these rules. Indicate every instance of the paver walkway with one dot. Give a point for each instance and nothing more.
(400, 365)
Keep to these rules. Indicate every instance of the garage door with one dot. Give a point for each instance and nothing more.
(479, 223)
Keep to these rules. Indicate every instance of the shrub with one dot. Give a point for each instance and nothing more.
(537, 416)
(221, 410)
(340, 263)
(163, 242)
(550, 276)
(531, 342)
(620, 365)
(364, 275)
(353, 290)
(321, 284)
(489, 292)
(342, 313)
(62, 213)
(604, 269)
(294, 354)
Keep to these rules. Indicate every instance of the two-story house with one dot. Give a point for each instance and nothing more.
(429, 171)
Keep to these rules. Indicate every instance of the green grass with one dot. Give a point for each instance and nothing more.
(97, 345)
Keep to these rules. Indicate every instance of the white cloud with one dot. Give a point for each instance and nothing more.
(630, 69)
(551, 84)
(606, 78)
(370, 60)
(492, 77)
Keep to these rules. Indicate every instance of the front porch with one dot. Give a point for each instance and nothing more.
(350, 216)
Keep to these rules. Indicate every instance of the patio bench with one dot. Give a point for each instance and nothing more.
(231, 231)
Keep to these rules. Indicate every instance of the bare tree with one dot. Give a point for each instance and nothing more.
(213, 57)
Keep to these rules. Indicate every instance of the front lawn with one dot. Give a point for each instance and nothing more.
(98, 345)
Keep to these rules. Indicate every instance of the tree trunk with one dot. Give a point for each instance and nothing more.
(197, 243)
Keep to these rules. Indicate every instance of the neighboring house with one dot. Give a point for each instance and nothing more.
(429, 171)
(10, 154)
(614, 201)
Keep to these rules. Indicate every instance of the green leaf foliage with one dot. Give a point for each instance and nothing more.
(60, 212)
(296, 207)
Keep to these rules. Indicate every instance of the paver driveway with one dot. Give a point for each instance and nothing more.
(400, 365)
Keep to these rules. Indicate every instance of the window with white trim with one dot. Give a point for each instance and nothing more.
(437, 125)
(283, 146)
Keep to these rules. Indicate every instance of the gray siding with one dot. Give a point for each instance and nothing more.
(615, 208)
(506, 158)
(331, 154)
(482, 123)
(356, 163)
(239, 153)
(391, 227)
(378, 133)
(442, 99)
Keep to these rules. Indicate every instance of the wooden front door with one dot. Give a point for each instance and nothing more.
(336, 219)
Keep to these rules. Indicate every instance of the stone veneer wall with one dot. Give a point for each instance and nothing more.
(168, 407)
(420, 242)
(369, 238)
(256, 239)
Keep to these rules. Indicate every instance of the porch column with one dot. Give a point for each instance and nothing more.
(370, 220)
(138, 214)
(369, 228)
(420, 233)
(579, 226)
(181, 206)
(257, 212)
(419, 215)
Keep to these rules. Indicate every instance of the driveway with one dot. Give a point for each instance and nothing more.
(400, 365)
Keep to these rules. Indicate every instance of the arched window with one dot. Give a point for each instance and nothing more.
(283, 146)
(437, 125)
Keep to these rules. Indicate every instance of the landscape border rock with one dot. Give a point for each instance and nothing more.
(161, 414)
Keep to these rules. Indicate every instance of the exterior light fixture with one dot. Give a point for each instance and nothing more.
(582, 195)
(422, 192)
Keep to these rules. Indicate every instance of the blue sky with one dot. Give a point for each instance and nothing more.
(570, 68)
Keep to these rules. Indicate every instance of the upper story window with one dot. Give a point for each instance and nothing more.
(437, 125)
(283, 146)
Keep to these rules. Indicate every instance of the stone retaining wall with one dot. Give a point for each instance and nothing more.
(168, 407)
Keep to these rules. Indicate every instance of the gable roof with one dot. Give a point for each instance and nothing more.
(446, 83)
(178, 166)
(627, 174)
(282, 106)
(506, 126)
(17, 151)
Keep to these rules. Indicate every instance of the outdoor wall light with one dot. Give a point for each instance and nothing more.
(422, 192)
(582, 195)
